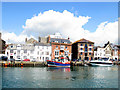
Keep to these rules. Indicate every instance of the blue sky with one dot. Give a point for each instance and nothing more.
(15, 14)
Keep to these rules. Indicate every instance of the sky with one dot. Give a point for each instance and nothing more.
(95, 21)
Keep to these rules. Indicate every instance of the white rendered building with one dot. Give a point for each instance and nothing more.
(42, 52)
(99, 53)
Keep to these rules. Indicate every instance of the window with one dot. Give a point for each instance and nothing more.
(81, 49)
(31, 57)
(90, 45)
(66, 47)
(56, 57)
(7, 53)
(89, 53)
(56, 47)
(42, 47)
(25, 51)
(18, 51)
(81, 53)
(42, 53)
(18, 57)
(65, 42)
(11, 51)
(66, 53)
(56, 52)
(31, 51)
(40, 58)
(90, 49)
(56, 41)
(47, 58)
(38, 52)
(43, 58)
(25, 57)
(47, 53)
(11, 46)
(81, 44)
(38, 47)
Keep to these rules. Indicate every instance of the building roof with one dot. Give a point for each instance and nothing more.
(31, 40)
(42, 44)
(60, 40)
(83, 41)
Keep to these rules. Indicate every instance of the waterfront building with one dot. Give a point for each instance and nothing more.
(115, 52)
(20, 51)
(83, 49)
(119, 52)
(60, 46)
(2, 45)
(108, 50)
(42, 51)
(99, 52)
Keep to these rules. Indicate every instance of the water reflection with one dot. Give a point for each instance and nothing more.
(57, 77)
(54, 69)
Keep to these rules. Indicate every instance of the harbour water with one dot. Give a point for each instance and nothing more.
(47, 77)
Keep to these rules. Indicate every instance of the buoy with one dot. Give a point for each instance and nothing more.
(21, 64)
(5, 64)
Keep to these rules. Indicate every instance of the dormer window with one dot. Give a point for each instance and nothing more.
(56, 41)
(65, 42)
(56, 47)
(11, 46)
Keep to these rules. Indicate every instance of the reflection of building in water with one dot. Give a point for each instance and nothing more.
(59, 73)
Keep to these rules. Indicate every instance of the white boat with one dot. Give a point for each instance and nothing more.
(101, 62)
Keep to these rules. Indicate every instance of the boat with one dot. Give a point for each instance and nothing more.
(62, 62)
(101, 62)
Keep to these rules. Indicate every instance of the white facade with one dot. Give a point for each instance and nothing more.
(115, 53)
(28, 51)
(109, 51)
(42, 52)
(99, 53)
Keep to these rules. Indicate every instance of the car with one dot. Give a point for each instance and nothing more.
(26, 60)
(3, 58)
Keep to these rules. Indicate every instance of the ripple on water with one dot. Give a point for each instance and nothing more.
(74, 77)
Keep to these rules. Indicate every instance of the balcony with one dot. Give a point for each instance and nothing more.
(81, 46)
(81, 51)
(90, 46)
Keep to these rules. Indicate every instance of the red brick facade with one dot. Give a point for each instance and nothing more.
(56, 46)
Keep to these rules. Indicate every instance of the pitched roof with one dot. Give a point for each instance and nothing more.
(31, 40)
(42, 44)
(60, 40)
(83, 41)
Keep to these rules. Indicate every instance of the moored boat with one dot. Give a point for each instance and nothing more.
(101, 62)
(62, 62)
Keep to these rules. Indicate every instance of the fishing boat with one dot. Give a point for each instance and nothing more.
(62, 62)
(101, 62)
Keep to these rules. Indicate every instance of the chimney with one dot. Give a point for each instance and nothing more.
(48, 39)
(68, 38)
(39, 39)
(25, 39)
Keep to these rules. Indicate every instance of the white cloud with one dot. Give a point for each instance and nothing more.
(13, 38)
(67, 24)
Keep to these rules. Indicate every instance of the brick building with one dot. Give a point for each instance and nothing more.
(2, 45)
(83, 49)
(59, 46)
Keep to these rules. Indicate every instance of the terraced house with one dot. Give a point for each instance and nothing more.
(83, 49)
(60, 46)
